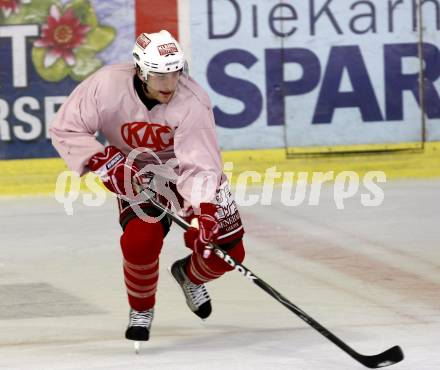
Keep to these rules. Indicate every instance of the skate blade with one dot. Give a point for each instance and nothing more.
(137, 347)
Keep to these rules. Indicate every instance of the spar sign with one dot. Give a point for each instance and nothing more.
(319, 72)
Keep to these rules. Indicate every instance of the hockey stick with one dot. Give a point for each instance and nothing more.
(386, 358)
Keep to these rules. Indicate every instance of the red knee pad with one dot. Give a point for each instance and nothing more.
(142, 241)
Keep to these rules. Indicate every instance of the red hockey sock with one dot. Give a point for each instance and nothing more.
(201, 270)
(141, 243)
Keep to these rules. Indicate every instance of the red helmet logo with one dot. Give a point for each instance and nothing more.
(147, 135)
(167, 49)
(143, 41)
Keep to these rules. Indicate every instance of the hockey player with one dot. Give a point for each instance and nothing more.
(154, 107)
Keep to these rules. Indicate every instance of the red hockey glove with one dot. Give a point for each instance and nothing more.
(115, 173)
(198, 239)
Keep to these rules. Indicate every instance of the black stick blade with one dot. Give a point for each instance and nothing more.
(389, 357)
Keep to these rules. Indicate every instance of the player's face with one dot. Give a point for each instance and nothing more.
(161, 86)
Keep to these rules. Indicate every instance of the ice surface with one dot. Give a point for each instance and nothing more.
(369, 274)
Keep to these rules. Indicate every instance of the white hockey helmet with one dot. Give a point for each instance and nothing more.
(158, 52)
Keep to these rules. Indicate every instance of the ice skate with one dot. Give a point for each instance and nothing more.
(139, 326)
(196, 296)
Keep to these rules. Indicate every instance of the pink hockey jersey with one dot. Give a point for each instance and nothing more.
(107, 102)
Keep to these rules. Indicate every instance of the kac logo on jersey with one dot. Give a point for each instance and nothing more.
(147, 135)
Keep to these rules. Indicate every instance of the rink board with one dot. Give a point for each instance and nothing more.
(39, 176)
(311, 74)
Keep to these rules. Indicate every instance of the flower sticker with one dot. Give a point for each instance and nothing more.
(69, 40)
(61, 35)
(11, 6)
